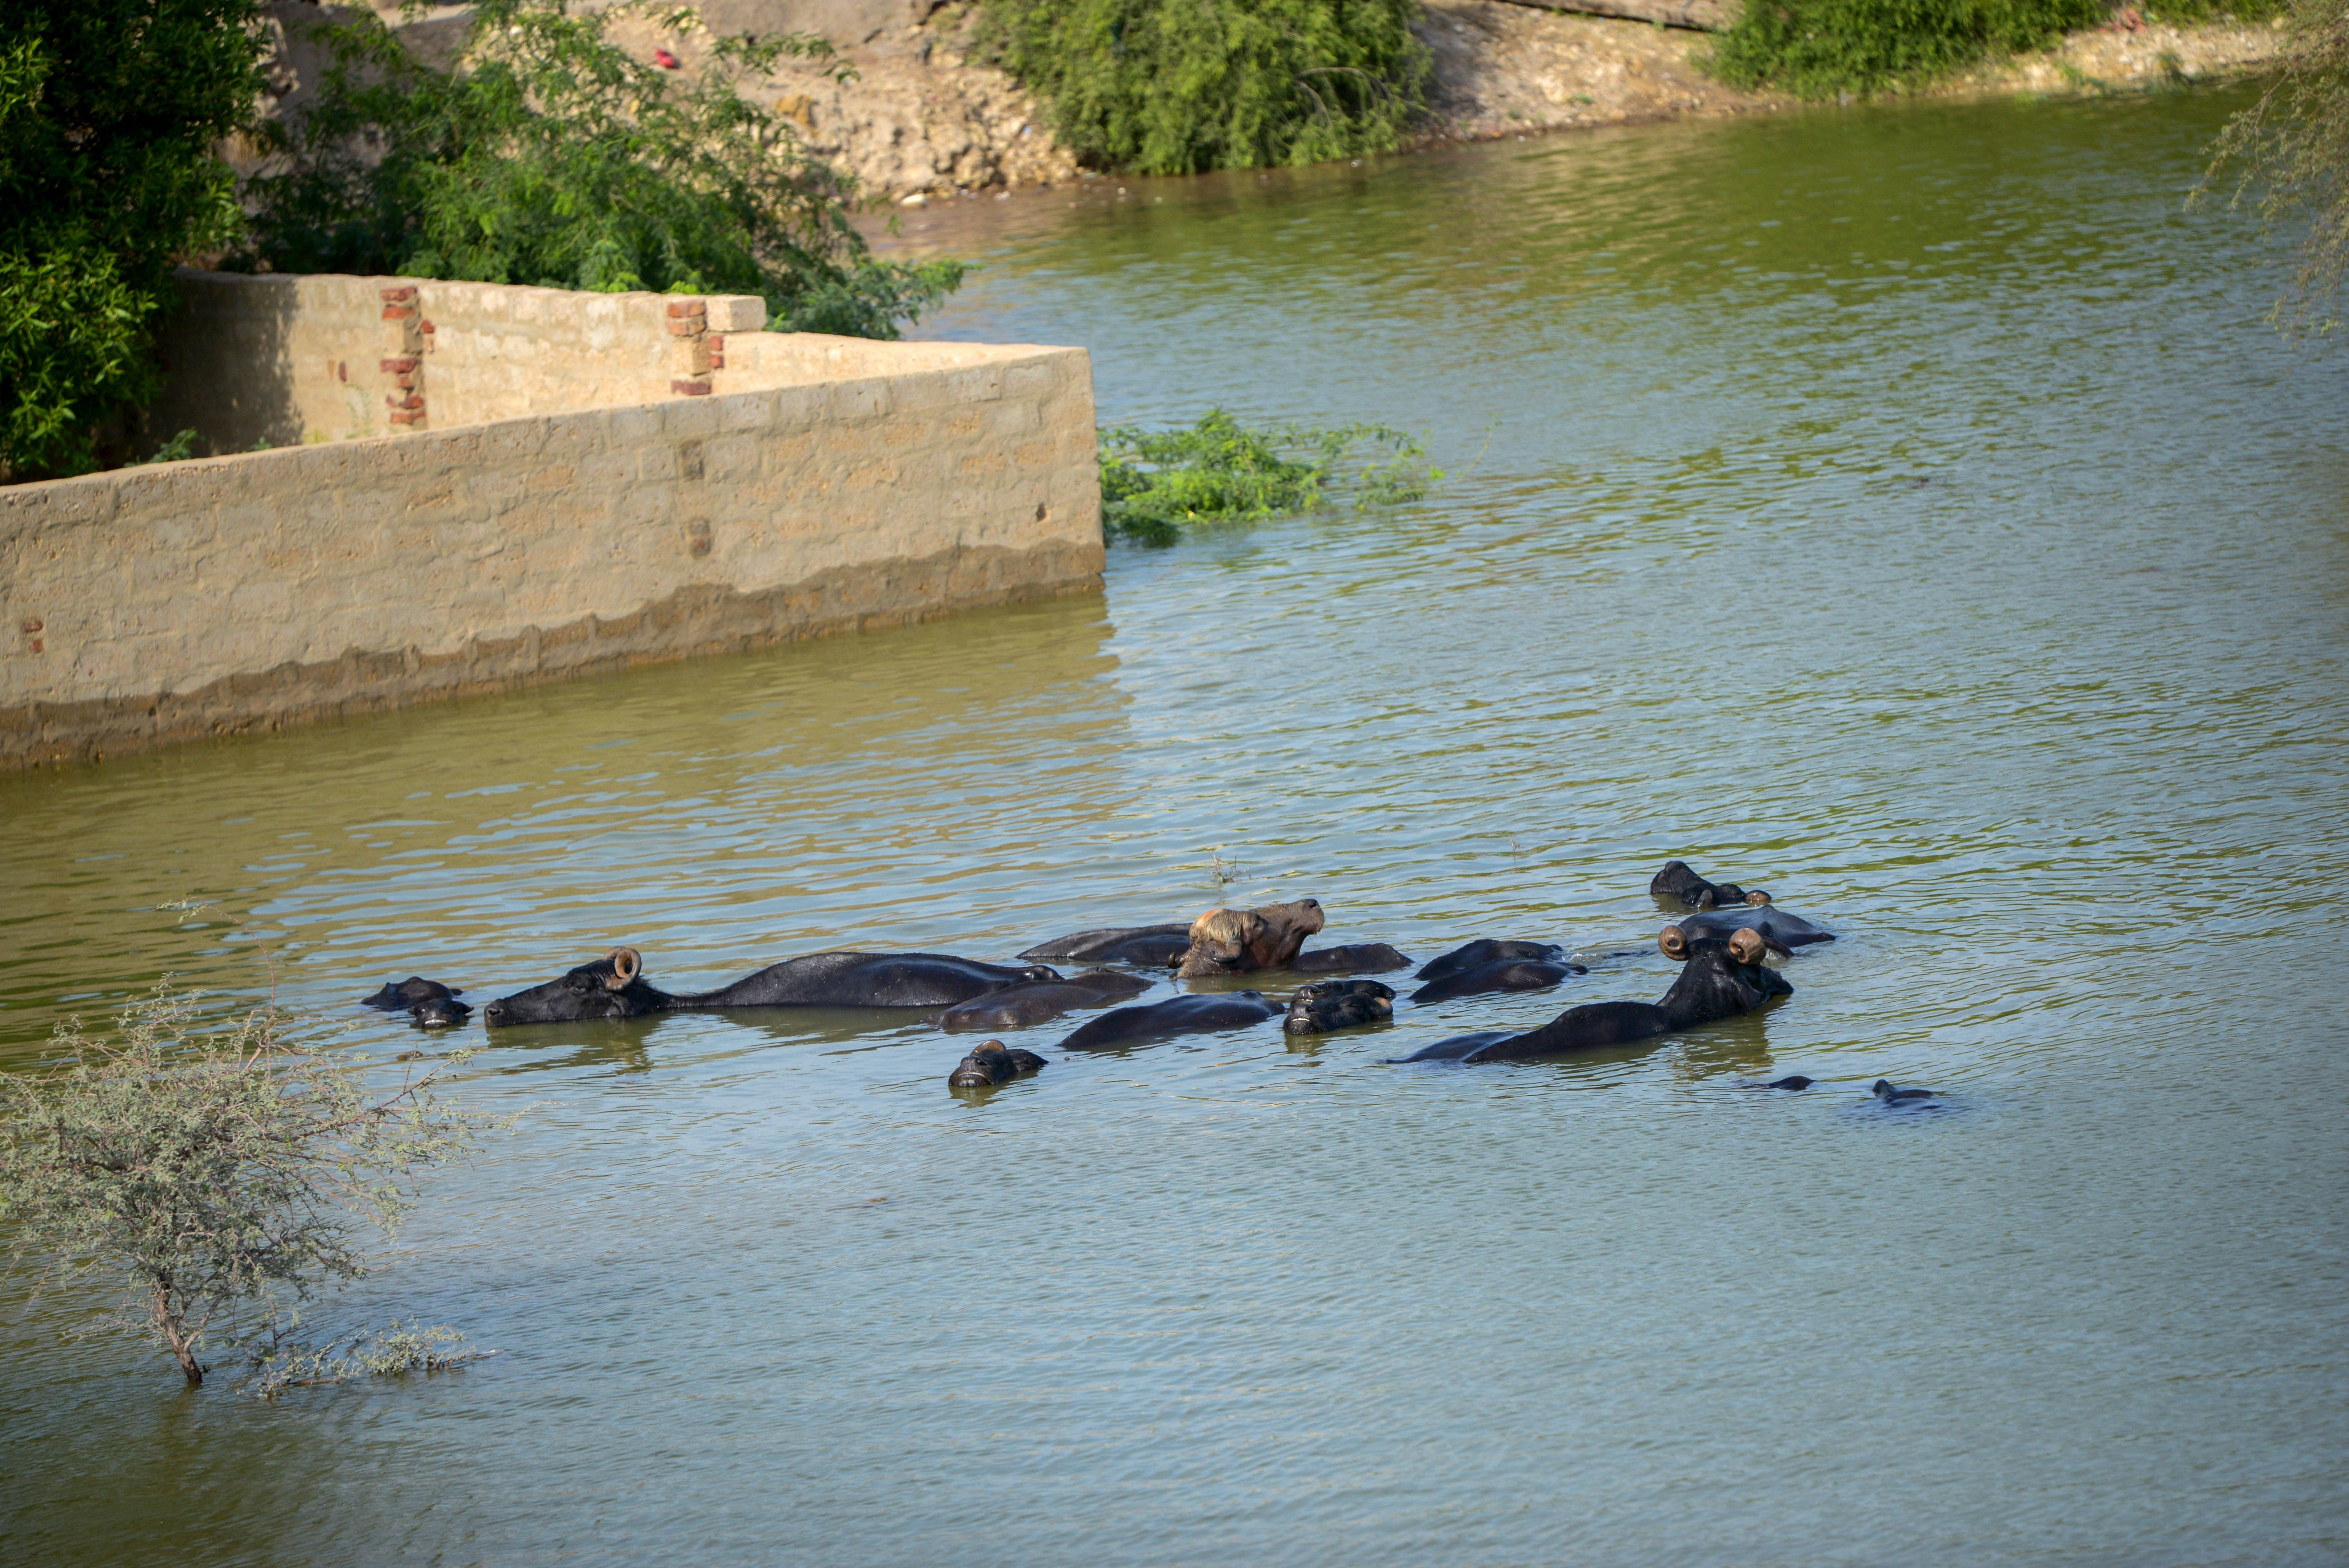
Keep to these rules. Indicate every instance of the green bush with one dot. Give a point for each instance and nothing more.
(1155, 484)
(550, 156)
(1817, 48)
(1175, 87)
(110, 112)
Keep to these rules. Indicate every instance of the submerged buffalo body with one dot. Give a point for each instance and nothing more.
(1720, 979)
(1354, 958)
(1777, 926)
(615, 987)
(1199, 1014)
(1033, 1002)
(1487, 965)
(428, 1002)
(1152, 946)
(1501, 974)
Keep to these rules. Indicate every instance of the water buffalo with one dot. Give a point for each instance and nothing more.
(1233, 941)
(1485, 950)
(1885, 1091)
(1197, 1015)
(1794, 1081)
(1035, 1002)
(1720, 979)
(1331, 1005)
(1677, 882)
(428, 1002)
(1354, 958)
(1779, 927)
(614, 986)
(1487, 965)
(1152, 946)
(989, 1064)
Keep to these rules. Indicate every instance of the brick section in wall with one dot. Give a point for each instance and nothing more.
(407, 337)
(689, 323)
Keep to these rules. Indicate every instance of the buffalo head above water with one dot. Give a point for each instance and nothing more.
(1232, 941)
(612, 986)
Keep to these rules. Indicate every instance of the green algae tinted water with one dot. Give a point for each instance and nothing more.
(1907, 512)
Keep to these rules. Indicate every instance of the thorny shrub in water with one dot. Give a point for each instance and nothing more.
(215, 1175)
(109, 114)
(1155, 484)
(549, 155)
(2291, 147)
(1175, 86)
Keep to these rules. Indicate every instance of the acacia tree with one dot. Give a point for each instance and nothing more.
(213, 1176)
(109, 114)
(2289, 154)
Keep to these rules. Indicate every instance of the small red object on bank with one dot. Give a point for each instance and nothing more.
(664, 59)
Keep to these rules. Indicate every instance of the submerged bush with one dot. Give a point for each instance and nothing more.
(1156, 484)
(1817, 48)
(2289, 154)
(109, 113)
(549, 155)
(214, 1176)
(1175, 86)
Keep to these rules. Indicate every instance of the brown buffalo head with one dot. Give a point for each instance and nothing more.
(1231, 941)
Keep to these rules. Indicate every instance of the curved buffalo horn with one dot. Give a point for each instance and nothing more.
(1746, 946)
(626, 965)
(1758, 899)
(1674, 942)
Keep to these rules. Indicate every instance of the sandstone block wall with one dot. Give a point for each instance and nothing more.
(286, 360)
(849, 484)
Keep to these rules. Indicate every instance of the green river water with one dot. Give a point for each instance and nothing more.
(1906, 511)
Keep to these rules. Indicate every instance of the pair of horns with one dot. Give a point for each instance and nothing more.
(1745, 946)
(626, 965)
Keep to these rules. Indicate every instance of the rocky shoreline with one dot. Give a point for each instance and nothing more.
(922, 121)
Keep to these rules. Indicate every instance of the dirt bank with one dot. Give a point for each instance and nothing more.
(922, 120)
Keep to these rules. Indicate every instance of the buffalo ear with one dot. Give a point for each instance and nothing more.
(1673, 941)
(626, 965)
(1746, 946)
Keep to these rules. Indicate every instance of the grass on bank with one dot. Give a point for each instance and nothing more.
(1178, 87)
(1822, 48)
(1157, 485)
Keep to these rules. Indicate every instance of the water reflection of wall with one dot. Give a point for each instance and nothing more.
(718, 815)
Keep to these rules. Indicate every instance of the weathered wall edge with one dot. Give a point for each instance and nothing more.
(701, 619)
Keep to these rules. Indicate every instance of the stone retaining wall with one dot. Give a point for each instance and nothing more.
(285, 360)
(848, 484)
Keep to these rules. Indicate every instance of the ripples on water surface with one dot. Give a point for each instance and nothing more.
(1907, 512)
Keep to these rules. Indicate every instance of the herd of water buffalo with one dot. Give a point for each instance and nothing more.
(1722, 948)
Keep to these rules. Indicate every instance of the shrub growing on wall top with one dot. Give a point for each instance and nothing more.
(1175, 87)
(550, 156)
